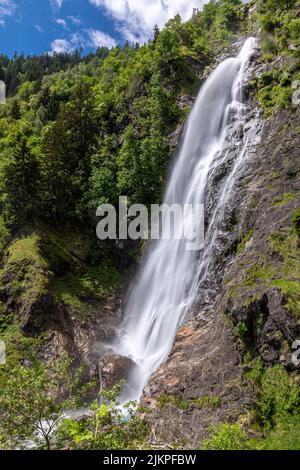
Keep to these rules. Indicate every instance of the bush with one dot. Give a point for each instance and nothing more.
(227, 437)
(241, 330)
(108, 427)
(269, 45)
(280, 396)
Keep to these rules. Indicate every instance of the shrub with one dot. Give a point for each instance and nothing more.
(226, 437)
(241, 330)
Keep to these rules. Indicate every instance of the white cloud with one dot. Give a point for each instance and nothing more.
(56, 4)
(136, 19)
(39, 28)
(7, 8)
(87, 38)
(77, 40)
(75, 20)
(100, 39)
(60, 46)
(61, 22)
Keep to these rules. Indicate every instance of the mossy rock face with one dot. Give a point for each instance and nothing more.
(25, 280)
(48, 271)
(88, 284)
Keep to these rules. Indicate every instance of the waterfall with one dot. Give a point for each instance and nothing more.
(168, 283)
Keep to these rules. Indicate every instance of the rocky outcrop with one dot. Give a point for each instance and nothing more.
(113, 369)
(25, 282)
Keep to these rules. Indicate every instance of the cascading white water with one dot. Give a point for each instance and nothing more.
(167, 284)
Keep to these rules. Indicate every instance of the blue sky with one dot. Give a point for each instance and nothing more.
(37, 26)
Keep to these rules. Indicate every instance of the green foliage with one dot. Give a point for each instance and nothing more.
(277, 408)
(285, 243)
(285, 436)
(20, 181)
(279, 37)
(282, 273)
(205, 401)
(285, 198)
(28, 400)
(108, 427)
(279, 396)
(24, 277)
(243, 241)
(226, 437)
(68, 146)
(94, 282)
(241, 330)
(88, 130)
(276, 95)
(166, 399)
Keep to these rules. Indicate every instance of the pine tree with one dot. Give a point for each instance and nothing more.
(68, 146)
(21, 179)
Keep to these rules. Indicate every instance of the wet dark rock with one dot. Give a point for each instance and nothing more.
(113, 369)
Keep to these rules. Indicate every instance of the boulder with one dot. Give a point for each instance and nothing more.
(113, 369)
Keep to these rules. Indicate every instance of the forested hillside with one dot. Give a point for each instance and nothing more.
(78, 131)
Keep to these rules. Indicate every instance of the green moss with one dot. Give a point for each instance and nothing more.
(285, 199)
(259, 273)
(18, 348)
(91, 283)
(277, 409)
(284, 436)
(207, 402)
(243, 241)
(66, 247)
(26, 249)
(166, 399)
(24, 274)
(256, 369)
(56, 252)
(292, 290)
(278, 394)
(282, 273)
(241, 330)
(226, 437)
(285, 242)
(253, 203)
